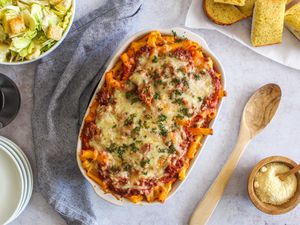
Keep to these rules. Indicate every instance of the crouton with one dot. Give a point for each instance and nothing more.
(267, 22)
(17, 25)
(54, 32)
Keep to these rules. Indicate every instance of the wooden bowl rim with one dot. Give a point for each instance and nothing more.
(265, 207)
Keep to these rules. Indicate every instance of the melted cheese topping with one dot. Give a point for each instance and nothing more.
(140, 139)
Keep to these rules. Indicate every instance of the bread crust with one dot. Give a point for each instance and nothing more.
(230, 3)
(216, 21)
(267, 44)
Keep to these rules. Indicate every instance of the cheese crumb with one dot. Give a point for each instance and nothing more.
(270, 189)
(263, 169)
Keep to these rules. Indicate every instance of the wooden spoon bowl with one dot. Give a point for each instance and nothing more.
(268, 208)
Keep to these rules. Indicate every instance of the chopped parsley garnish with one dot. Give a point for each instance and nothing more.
(185, 111)
(156, 95)
(140, 123)
(174, 33)
(202, 72)
(121, 150)
(133, 147)
(113, 169)
(154, 75)
(161, 150)
(178, 101)
(112, 148)
(148, 117)
(114, 126)
(145, 173)
(172, 149)
(135, 130)
(145, 124)
(197, 77)
(129, 119)
(163, 130)
(131, 95)
(158, 82)
(144, 162)
(154, 130)
(200, 99)
(177, 92)
(128, 94)
(175, 81)
(155, 59)
(127, 167)
(185, 82)
(129, 82)
(179, 116)
(162, 118)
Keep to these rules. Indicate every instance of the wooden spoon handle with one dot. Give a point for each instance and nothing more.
(290, 172)
(206, 207)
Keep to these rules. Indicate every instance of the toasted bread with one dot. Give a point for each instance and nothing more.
(231, 2)
(267, 22)
(222, 14)
(292, 19)
(247, 9)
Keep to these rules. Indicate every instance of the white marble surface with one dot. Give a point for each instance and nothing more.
(245, 72)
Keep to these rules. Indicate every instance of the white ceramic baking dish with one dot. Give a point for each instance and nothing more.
(181, 32)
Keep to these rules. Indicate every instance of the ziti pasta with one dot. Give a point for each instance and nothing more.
(149, 117)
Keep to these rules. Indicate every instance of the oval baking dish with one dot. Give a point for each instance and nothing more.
(179, 32)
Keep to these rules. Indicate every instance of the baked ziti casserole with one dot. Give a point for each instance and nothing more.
(148, 119)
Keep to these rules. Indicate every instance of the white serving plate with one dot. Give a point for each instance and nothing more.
(53, 47)
(23, 177)
(115, 56)
(11, 186)
(23, 160)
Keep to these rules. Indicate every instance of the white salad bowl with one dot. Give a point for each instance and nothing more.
(53, 47)
(181, 32)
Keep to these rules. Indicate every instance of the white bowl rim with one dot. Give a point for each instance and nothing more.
(12, 216)
(24, 177)
(53, 47)
(114, 57)
(28, 169)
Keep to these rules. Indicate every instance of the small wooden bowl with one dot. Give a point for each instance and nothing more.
(268, 208)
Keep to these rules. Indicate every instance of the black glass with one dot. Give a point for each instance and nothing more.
(9, 100)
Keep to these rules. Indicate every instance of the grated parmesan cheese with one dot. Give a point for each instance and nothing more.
(270, 189)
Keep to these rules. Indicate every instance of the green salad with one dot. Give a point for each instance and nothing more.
(29, 28)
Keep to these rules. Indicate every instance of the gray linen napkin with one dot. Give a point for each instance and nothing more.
(64, 81)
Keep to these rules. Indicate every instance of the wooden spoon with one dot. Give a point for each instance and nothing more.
(257, 113)
(283, 176)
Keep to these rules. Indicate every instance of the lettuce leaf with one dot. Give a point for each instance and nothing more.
(4, 2)
(49, 18)
(19, 43)
(4, 49)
